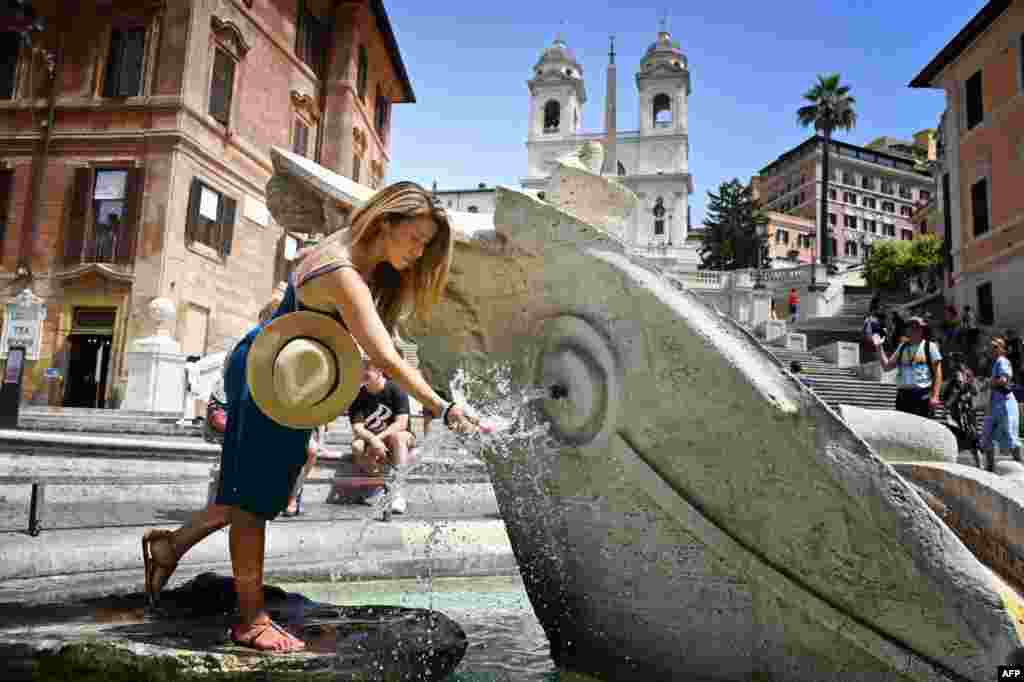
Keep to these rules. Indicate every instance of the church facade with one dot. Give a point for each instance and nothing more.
(652, 160)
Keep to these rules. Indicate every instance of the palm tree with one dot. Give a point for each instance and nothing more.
(831, 108)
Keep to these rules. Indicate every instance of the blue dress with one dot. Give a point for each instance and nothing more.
(260, 459)
(1003, 422)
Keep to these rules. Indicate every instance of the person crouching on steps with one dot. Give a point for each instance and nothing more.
(1003, 421)
(920, 370)
(381, 436)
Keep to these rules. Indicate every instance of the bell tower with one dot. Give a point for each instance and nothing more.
(663, 84)
(557, 95)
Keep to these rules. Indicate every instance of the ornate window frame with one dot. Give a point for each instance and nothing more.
(229, 39)
(305, 111)
(149, 17)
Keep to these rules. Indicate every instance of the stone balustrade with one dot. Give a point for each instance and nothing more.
(840, 353)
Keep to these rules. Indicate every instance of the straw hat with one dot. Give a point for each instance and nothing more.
(304, 370)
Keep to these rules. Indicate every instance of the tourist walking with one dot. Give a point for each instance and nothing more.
(1003, 421)
(300, 370)
(951, 325)
(969, 333)
(872, 332)
(919, 362)
(1014, 351)
(794, 304)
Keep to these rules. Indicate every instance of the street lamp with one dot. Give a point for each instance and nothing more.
(762, 253)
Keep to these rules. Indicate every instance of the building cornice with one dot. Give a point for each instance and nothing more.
(960, 43)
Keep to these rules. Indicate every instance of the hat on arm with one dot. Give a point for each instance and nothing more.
(304, 370)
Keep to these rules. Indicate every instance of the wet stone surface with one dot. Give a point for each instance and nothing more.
(186, 637)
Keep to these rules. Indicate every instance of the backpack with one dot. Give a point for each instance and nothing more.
(927, 356)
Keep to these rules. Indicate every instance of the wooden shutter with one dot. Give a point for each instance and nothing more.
(301, 31)
(221, 86)
(133, 54)
(113, 73)
(6, 183)
(364, 72)
(192, 219)
(979, 206)
(227, 224)
(78, 216)
(131, 226)
(9, 44)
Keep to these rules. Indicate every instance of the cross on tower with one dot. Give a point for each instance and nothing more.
(560, 36)
(663, 22)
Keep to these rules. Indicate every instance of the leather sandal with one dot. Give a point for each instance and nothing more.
(258, 630)
(157, 573)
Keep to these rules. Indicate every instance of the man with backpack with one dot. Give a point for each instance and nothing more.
(920, 370)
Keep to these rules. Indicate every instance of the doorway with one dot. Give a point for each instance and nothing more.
(88, 366)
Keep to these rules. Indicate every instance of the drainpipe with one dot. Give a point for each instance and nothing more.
(31, 236)
(331, 27)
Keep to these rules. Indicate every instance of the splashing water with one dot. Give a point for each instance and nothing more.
(504, 410)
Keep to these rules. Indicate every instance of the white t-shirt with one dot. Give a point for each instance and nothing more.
(913, 366)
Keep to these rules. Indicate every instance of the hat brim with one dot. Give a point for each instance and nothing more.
(263, 353)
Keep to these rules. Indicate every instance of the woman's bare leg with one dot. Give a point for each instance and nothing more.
(247, 542)
(293, 501)
(168, 550)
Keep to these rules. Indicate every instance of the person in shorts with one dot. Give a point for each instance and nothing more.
(381, 436)
(920, 370)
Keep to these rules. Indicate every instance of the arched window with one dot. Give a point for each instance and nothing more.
(472, 209)
(621, 170)
(662, 111)
(552, 116)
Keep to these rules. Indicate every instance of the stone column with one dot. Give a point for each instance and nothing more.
(761, 307)
(156, 366)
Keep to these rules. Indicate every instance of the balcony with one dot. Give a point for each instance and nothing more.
(108, 251)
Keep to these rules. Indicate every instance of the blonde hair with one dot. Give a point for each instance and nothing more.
(271, 306)
(999, 342)
(415, 290)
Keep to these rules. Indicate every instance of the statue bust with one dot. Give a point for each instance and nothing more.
(162, 312)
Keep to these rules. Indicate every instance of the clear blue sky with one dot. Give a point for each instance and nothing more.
(750, 62)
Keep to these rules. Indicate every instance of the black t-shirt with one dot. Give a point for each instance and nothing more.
(379, 410)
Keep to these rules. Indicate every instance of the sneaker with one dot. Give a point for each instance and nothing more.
(375, 498)
(398, 504)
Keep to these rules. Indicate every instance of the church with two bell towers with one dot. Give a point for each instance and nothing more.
(652, 161)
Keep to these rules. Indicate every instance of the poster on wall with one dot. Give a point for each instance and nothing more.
(208, 204)
(110, 185)
(23, 324)
(15, 359)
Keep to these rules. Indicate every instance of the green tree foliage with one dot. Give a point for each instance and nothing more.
(731, 241)
(892, 263)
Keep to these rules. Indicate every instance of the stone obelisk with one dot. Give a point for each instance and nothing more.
(611, 161)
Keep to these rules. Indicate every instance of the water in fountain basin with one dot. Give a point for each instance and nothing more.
(511, 640)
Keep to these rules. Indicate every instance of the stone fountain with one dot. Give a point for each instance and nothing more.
(697, 512)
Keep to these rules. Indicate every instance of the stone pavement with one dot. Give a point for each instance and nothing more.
(90, 532)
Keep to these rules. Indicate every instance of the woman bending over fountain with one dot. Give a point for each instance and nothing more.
(393, 261)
